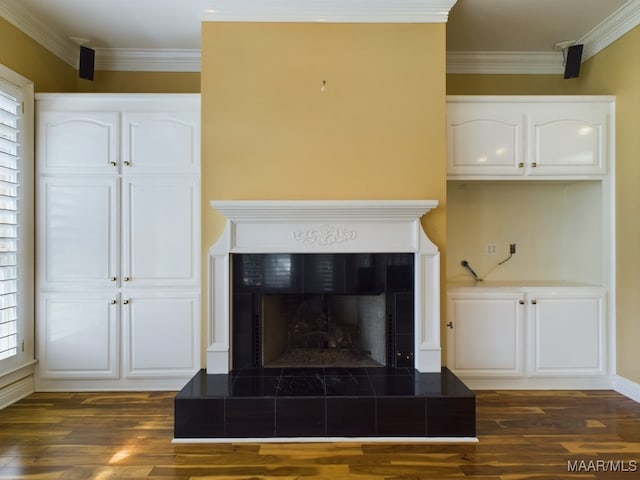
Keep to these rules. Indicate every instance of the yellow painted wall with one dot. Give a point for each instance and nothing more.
(616, 70)
(459, 84)
(613, 71)
(376, 132)
(141, 82)
(27, 57)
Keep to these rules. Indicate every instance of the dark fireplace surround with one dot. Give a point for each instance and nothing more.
(322, 310)
(324, 324)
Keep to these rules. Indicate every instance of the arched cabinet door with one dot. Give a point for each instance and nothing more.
(78, 142)
(485, 139)
(569, 139)
(156, 142)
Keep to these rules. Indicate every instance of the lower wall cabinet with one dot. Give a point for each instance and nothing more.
(95, 341)
(520, 333)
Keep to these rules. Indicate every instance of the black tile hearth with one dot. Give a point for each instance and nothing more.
(324, 402)
(300, 417)
(351, 416)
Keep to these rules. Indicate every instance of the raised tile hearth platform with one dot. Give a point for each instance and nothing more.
(321, 403)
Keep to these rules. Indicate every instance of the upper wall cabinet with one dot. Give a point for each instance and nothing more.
(90, 136)
(527, 137)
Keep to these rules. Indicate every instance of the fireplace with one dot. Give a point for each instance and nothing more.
(324, 325)
(348, 236)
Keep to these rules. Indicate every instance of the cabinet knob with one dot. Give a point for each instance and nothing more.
(534, 302)
(113, 302)
(126, 302)
(521, 165)
(126, 279)
(534, 164)
(127, 163)
(521, 302)
(113, 279)
(450, 325)
(113, 164)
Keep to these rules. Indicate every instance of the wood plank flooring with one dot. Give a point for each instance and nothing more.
(522, 435)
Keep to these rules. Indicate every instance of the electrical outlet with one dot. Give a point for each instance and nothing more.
(490, 249)
(512, 249)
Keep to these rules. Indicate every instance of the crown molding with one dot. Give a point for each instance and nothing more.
(525, 63)
(375, 11)
(148, 60)
(331, 11)
(620, 22)
(18, 15)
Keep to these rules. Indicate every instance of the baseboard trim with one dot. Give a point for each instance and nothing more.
(17, 385)
(328, 440)
(626, 387)
(538, 383)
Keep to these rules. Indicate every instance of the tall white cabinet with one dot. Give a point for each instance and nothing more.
(537, 172)
(118, 221)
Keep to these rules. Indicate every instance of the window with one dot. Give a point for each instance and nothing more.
(16, 219)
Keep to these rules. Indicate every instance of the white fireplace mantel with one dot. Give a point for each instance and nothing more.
(325, 226)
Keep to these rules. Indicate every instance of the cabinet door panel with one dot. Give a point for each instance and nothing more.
(78, 141)
(161, 231)
(79, 230)
(569, 139)
(77, 336)
(155, 141)
(161, 335)
(484, 140)
(568, 335)
(485, 336)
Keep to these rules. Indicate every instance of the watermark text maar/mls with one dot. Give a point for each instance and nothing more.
(592, 466)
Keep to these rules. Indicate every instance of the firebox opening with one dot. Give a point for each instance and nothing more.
(318, 330)
(323, 310)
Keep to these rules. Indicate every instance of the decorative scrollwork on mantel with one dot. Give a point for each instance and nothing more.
(325, 235)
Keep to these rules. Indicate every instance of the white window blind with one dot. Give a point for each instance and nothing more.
(10, 123)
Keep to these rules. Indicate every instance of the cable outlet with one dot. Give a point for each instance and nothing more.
(512, 249)
(490, 249)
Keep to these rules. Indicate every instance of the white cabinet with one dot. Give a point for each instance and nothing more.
(160, 231)
(485, 140)
(521, 137)
(567, 333)
(161, 141)
(569, 138)
(78, 241)
(485, 334)
(158, 134)
(526, 332)
(73, 141)
(119, 222)
(534, 171)
(78, 335)
(159, 336)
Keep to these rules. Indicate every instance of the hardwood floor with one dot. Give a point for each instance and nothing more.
(522, 435)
